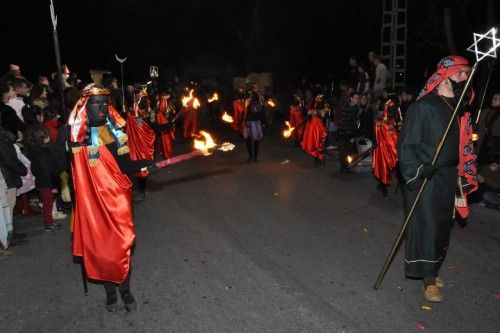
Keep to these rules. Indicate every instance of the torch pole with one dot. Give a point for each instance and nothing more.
(123, 89)
(58, 58)
(395, 246)
(121, 61)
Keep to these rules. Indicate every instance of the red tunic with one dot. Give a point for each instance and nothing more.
(167, 137)
(314, 138)
(385, 155)
(103, 232)
(238, 115)
(141, 140)
(297, 121)
(191, 124)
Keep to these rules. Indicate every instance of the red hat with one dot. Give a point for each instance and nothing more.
(446, 67)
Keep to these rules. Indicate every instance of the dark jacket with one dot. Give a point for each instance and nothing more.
(45, 164)
(347, 120)
(11, 167)
(9, 120)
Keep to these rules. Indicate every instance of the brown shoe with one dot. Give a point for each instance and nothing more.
(432, 294)
(439, 282)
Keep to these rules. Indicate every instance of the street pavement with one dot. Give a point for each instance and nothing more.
(229, 246)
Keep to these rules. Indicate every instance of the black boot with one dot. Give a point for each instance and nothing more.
(141, 182)
(249, 148)
(112, 302)
(255, 151)
(128, 300)
(383, 188)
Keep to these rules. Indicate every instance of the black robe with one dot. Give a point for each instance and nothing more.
(428, 231)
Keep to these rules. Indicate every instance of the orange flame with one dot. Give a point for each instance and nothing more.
(214, 98)
(196, 103)
(271, 103)
(206, 144)
(475, 137)
(288, 132)
(349, 159)
(186, 99)
(227, 118)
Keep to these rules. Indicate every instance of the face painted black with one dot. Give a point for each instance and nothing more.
(97, 110)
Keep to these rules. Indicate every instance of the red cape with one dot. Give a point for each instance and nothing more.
(103, 232)
(385, 155)
(238, 115)
(314, 138)
(191, 124)
(167, 137)
(141, 140)
(297, 121)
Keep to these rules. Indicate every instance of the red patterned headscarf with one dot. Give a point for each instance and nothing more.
(445, 68)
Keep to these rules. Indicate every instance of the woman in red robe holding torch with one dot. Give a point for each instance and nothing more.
(385, 155)
(315, 132)
(165, 111)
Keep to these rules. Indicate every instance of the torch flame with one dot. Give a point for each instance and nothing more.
(214, 98)
(196, 103)
(475, 137)
(186, 99)
(227, 118)
(288, 132)
(349, 159)
(271, 103)
(206, 144)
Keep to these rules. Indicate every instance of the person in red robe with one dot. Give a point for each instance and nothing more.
(385, 155)
(166, 110)
(141, 136)
(315, 132)
(297, 119)
(103, 231)
(239, 111)
(190, 104)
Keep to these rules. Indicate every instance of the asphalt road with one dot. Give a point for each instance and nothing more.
(229, 246)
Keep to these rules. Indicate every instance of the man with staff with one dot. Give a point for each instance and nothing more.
(449, 179)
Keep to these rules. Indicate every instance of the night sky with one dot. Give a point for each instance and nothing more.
(221, 39)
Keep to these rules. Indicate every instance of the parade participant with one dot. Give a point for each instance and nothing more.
(346, 124)
(297, 119)
(190, 104)
(428, 232)
(165, 111)
(103, 231)
(238, 111)
(385, 155)
(141, 136)
(314, 139)
(254, 117)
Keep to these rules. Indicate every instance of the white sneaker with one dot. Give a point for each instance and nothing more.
(59, 215)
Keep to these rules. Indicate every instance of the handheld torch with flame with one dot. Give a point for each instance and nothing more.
(215, 97)
(288, 132)
(227, 118)
(204, 146)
